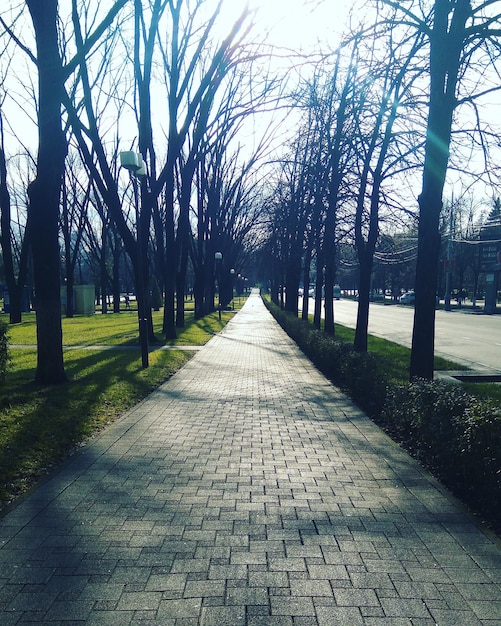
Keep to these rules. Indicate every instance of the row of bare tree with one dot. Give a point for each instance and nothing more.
(166, 80)
(401, 95)
(161, 78)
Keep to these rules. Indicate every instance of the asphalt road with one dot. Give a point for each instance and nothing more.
(465, 336)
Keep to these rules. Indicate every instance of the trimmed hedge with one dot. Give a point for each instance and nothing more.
(455, 435)
(452, 433)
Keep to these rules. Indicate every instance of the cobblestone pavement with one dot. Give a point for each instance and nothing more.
(245, 491)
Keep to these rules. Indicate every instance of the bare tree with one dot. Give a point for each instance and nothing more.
(102, 163)
(384, 95)
(44, 192)
(196, 66)
(462, 42)
(227, 209)
(15, 265)
(76, 192)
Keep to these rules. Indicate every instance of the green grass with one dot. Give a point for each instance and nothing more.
(396, 358)
(117, 330)
(396, 363)
(485, 391)
(40, 426)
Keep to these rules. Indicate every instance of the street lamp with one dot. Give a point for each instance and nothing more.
(218, 258)
(133, 163)
(232, 278)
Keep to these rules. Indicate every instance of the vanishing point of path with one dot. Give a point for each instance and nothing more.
(247, 490)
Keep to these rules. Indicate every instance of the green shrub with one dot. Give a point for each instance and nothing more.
(363, 377)
(454, 434)
(4, 350)
(426, 415)
(480, 455)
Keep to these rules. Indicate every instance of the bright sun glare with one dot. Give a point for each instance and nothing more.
(300, 24)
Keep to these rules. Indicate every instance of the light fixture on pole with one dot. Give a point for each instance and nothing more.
(232, 278)
(218, 258)
(133, 162)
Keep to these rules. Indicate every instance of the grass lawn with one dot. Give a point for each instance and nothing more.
(116, 330)
(40, 426)
(396, 359)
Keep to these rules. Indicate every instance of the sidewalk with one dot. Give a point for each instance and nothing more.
(245, 491)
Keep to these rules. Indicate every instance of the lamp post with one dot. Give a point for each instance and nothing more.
(218, 258)
(232, 278)
(449, 263)
(133, 162)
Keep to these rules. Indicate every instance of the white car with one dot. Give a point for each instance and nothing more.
(408, 298)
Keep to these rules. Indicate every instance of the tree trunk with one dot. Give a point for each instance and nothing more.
(115, 280)
(15, 287)
(293, 277)
(446, 43)
(423, 335)
(15, 302)
(103, 270)
(319, 284)
(169, 322)
(44, 194)
(306, 282)
(329, 245)
(360, 341)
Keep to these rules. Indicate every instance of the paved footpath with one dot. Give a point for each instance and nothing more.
(245, 491)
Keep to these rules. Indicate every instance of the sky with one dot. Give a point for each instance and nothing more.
(307, 25)
(300, 24)
(290, 26)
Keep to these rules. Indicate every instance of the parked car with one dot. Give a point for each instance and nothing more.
(407, 298)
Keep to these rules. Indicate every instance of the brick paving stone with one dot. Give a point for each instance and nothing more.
(311, 588)
(76, 610)
(178, 609)
(140, 601)
(110, 618)
(269, 579)
(356, 597)
(293, 606)
(248, 596)
(453, 618)
(247, 490)
(486, 609)
(223, 616)
(337, 616)
(268, 620)
(204, 588)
